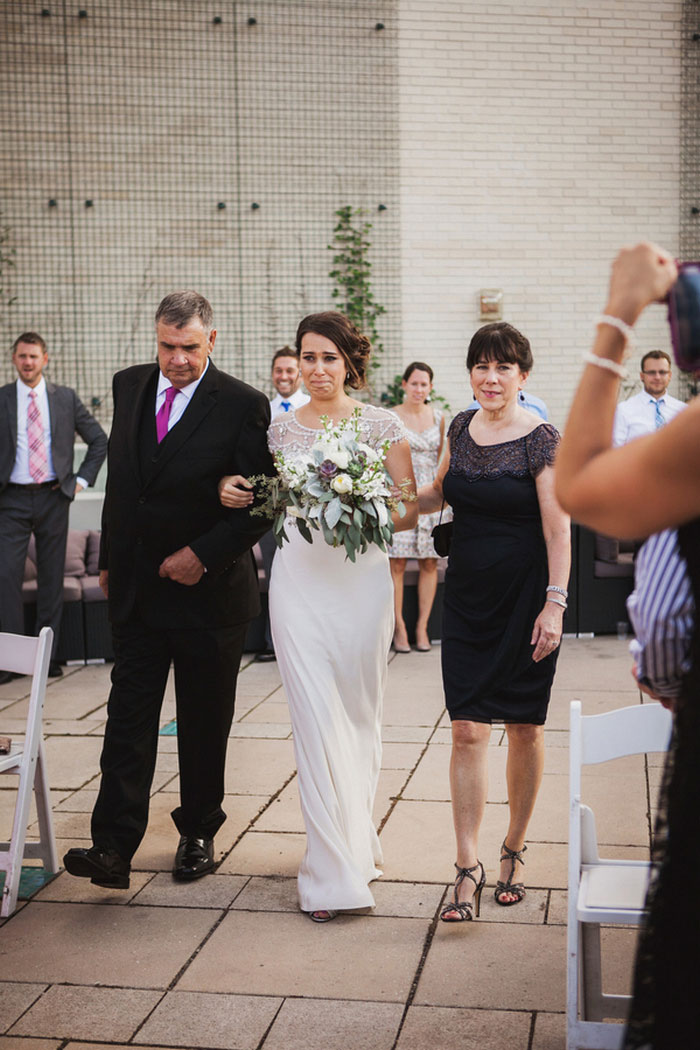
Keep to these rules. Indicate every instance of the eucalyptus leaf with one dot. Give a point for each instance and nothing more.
(333, 512)
(304, 530)
(349, 548)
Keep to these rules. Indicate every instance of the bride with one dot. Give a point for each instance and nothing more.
(332, 624)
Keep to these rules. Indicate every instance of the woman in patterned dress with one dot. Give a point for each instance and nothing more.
(425, 429)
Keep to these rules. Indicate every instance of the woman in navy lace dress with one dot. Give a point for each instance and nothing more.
(505, 595)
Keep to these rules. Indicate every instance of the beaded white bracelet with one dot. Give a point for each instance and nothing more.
(555, 601)
(558, 590)
(622, 326)
(604, 362)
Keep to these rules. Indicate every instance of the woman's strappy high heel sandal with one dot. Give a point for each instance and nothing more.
(466, 910)
(515, 888)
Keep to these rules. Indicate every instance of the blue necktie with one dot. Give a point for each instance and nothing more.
(286, 405)
(658, 418)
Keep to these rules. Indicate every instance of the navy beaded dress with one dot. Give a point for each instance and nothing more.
(496, 578)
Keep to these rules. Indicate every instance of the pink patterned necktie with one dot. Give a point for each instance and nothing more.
(164, 413)
(38, 462)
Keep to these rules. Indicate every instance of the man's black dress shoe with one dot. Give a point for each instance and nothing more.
(104, 867)
(194, 858)
(55, 670)
(8, 676)
(266, 657)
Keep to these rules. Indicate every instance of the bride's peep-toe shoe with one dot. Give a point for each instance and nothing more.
(322, 915)
(516, 888)
(466, 911)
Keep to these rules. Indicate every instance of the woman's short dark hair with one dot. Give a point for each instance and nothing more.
(417, 366)
(501, 342)
(354, 347)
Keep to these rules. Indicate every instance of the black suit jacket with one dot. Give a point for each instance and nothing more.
(68, 415)
(155, 506)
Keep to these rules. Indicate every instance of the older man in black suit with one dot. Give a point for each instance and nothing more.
(38, 423)
(181, 583)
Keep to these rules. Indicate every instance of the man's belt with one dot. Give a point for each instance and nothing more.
(36, 485)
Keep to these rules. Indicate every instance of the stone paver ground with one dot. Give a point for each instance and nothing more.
(229, 961)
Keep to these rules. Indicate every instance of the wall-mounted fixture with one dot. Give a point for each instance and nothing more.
(490, 304)
(379, 26)
(221, 205)
(381, 207)
(82, 13)
(695, 210)
(88, 204)
(53, 203)
(45, 13)
(254, 206)
(217, 20)
(252, 21)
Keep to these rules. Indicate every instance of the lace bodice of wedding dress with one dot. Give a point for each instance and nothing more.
(291, 437)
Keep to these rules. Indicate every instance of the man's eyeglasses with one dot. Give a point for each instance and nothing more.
(655, 373)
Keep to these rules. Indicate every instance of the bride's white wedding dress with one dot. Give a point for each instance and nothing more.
(332, 623)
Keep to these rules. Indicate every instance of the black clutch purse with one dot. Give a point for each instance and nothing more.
(442, 535)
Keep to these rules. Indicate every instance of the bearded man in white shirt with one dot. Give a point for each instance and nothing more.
(652, 407)
(38, 424)
(286, 379)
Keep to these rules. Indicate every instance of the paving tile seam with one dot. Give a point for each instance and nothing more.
(263, 809)
(394, 799)
(271, 1024)
(427, 944)
(40, 995)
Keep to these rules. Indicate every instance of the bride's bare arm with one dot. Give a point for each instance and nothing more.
(235, 491)
(398, 463)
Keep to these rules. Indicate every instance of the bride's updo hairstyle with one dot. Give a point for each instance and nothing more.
(352, 344)
(500, 342)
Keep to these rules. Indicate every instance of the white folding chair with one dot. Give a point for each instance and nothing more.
(601, 891)
(27, 656)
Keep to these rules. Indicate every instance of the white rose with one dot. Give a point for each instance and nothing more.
(342, 484)
(370, 455)
(340, 457)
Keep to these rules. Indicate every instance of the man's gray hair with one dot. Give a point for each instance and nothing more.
(179, 308)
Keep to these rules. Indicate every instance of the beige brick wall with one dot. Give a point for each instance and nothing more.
(535, 141)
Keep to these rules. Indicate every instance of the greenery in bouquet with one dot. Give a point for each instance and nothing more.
(340, 488)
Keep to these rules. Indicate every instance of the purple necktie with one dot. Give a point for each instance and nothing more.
(163, 414)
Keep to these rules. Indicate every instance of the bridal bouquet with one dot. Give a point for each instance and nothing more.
(340, 488)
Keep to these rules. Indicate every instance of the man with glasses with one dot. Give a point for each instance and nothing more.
(652, 406)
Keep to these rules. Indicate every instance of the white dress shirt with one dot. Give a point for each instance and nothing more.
(181, 399)
(295, 400)
(20, 474)
(662, 611)
(637, 415)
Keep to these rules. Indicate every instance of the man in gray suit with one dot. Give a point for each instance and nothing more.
(38, 422)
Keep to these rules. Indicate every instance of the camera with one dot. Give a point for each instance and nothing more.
(684, 317)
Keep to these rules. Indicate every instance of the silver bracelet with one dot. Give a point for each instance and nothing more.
(558, 590)
(556, 601)
(604, 362)
(616, 322)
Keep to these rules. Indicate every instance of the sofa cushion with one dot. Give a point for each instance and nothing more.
(75, 552)
(92, 592)
(92, 558)
(607, 548)
(71, 590)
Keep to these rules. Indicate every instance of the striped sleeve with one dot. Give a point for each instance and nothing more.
(662, 613)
